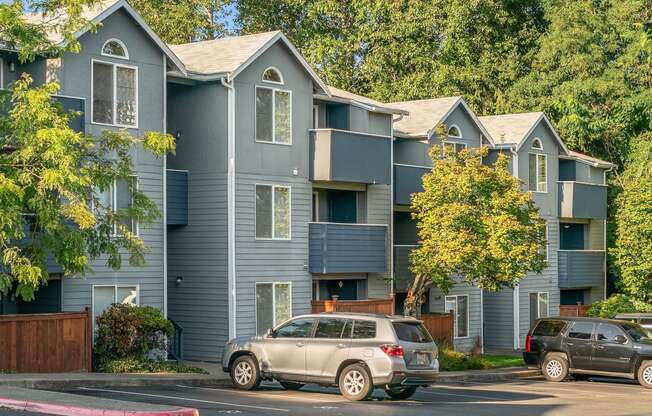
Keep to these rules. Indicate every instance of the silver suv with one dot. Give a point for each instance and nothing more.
(353, 351)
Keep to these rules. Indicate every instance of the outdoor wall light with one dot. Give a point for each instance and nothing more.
(179, 280)
(12, 66)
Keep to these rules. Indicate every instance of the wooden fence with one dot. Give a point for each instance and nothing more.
(573, 310)
(46, 343)
(440, 326)
(384, 306)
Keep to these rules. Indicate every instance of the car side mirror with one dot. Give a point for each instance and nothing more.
(620, 339)
(271, 333)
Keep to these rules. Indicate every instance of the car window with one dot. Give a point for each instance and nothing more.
(608, 332)
(411, 332)
(638, 333)
(364, 329)
(299, 328)
(646, 321)
(330, 328)
(346, 332)
(581, 330)
(548, 328)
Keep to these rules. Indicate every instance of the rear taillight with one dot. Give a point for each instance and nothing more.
(392, 350)
(528, 344)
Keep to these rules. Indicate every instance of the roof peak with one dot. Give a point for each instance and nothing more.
(271, 33)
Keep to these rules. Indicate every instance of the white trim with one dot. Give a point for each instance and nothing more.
(315, 116)
(539, 295)
(69, 96)
(454, 143)
(550, 126)
(115, 295)
(315, 206)
(452, 126)
(115, 67)
(481, 319)
(278, 71)
(177, 170)
(390, 229)
(537, 140)
(517, 317)
(274, 91)
(274, 187)
(122, 45)
(456, 320)
(405, 245)
(112, 205)
(583, 183)
(413, 166)
(537, 165)
(583, 251)
(274, 283)
(351, 131)
(165, 193)
(349, 223)
(230, 185)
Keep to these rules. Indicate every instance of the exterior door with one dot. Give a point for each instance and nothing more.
(328, 348)
(609, 355)
(342, 206)
(579, 346)
(571, 236)
(286, 352)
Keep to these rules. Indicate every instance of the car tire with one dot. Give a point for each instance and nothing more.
(645, 374)
(355, 382)
(400, 393)
(244, 373)
(555, 367)
(289, 385)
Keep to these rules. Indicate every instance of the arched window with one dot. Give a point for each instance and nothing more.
(273, 75)
(536, 144)
(454, 131)
(115, 48)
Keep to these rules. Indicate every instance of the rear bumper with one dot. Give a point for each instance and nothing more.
(531, 358)
(404, 376)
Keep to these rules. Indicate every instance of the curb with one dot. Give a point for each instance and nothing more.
(63, 410)
(488, 377)
(60, 385)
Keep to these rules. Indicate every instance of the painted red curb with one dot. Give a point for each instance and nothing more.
(63, 410)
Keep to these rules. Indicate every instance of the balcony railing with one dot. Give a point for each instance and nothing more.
(347, 248)
(581, 268)
(347, 156)
(407, 180)
(402, 274)
(582, 200)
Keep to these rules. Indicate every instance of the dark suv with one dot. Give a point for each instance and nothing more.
(589, 346)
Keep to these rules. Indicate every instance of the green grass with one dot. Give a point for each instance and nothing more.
(450, 360)
(131, 365)
(500, 361)
(2, 371)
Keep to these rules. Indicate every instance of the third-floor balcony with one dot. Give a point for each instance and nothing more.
(407, 180)
(582, 200)
(580, 269)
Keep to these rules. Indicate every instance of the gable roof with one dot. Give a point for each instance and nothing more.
(513, 129)
(96, 14)
(227, 57)
(593, 161)
(424, 115)
(340, 95)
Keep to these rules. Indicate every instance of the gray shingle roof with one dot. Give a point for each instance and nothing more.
(593, 160)
(338, 94)
(510, 128)
(424, 114)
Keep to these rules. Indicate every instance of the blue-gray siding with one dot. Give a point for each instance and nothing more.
(177, 197)
(582, 200)
(407, 180)
(581, 269)
(402, 274)
(347, 248)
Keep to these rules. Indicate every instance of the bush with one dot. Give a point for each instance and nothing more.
(133, 365)
(616, 304)
(450, 360)
(129, 332)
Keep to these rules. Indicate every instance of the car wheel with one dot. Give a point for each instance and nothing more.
(355, 382)
(288, 385)
(244, 373)
(555, 367)
(400, 393)
(645, 374)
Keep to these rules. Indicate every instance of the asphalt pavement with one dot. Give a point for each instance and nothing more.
(530, 397)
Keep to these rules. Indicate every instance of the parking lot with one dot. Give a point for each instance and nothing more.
(523, 397)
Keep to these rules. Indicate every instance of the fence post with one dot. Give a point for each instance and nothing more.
(89, 340)
(335, 298)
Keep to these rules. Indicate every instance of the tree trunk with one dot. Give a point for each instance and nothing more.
(414, 298)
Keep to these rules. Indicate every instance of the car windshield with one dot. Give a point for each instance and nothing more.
(411, 332)
(638, 333)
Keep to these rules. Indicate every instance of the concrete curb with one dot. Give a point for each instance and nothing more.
(69, 384)
(488, 376)
(64, 410)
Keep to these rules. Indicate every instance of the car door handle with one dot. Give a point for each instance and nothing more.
(299, 344)
(570, 344)
(341, 345)
(599, 347)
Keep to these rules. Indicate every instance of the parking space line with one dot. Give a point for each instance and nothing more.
(495, 399)
(258, 393)
(275, 409)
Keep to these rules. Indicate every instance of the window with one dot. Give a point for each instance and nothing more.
(607, 332)
(330, 328)
(315, 206)
(315, 116)
(452, 148)
(581, 330)
(454, 131)
(544, 250)
(638, 333)
(273, 115)
(272, 212)
(364, 329)
(272, 74)
(411, 332)
(106, 295)
(115, 48)
(549, 328)
(538, 176)
(539, 307)
(273, 305)
(115, 94)
(299, 328)
(536, 144)
(119, 199)
(459, 307)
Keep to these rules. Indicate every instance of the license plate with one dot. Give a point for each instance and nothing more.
(422, 359)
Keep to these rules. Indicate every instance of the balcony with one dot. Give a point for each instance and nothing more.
(177, 197)
(580, 269)
(346, 156)
(402, 274)
(407, 180)
(347, 248)
(582, 200)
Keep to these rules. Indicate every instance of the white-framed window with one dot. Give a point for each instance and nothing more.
(454, 132)
(538, 172)
(449, 147)
(115, 48)
(273, 75)
(458, 305)
(118, 197)
(273, 115)
(315, 116)
(273, 212)
(536, 144)
(539, 305)
(273, 305)
(114, 90)
(315, 207)
(106, 295)
(544, 250)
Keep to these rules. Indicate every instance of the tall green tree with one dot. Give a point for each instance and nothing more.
(475, 224)
(51, 177)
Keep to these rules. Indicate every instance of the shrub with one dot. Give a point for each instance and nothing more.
(450, 360)
(134, 365)
(129, 332)
(616, 304)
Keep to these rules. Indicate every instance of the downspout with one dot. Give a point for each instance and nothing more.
(230, 196)
(165, 191)
(391, 205)
(604, 231)
(517, 290)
